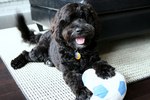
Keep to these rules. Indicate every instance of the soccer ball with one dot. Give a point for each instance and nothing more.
(113, 88)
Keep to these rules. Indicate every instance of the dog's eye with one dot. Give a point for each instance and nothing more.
(74, 26)
(69, 32)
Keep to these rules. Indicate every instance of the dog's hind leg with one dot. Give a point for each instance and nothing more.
(20, 61)
(37, 54)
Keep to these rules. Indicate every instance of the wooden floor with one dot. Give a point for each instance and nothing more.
(139, 90)
(9, 90)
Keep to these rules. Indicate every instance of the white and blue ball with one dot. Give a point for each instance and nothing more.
(113, 88)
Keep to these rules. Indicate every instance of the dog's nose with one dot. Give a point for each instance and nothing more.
(78, 30)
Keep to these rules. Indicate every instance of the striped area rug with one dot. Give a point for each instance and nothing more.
(40, 82)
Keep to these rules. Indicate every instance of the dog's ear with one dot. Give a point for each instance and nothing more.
(58, 31)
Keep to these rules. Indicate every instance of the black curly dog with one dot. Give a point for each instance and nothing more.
(69, 45)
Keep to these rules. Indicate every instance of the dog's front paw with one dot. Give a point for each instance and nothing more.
(84, 94)
(19, 62)
(104, 70)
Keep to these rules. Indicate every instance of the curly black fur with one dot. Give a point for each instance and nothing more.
(27, 35)
(58, 46)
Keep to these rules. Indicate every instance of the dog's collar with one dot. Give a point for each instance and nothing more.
(77, 55)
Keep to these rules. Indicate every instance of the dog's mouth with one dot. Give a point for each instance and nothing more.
(80, 40)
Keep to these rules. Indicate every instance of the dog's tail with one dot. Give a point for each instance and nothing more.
(27, 34)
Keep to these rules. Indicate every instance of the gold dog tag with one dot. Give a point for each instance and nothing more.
(77, 55)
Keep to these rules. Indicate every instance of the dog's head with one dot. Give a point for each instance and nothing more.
(76, 25)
